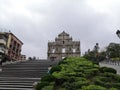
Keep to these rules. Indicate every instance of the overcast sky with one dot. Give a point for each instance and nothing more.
(35, 22)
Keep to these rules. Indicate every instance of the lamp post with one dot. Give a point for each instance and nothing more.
(96, 50)
(118, 33)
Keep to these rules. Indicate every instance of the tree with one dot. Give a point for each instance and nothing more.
(118, 33)
(113, 50)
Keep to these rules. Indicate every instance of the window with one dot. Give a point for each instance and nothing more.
(74, 50)
(77, 49)
(70, 49)
(63, 50)
(56, 49)
(53, 50)
(63, 57)
(63, 42)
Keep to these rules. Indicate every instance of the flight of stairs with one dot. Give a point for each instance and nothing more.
(22, 75)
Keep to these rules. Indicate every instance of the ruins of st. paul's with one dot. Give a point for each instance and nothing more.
(62, 47)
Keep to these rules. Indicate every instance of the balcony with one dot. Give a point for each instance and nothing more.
(2, 41)
(2, 50)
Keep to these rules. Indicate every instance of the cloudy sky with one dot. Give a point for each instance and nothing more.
(36, 22)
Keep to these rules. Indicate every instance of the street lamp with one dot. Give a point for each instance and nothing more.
(118, 33)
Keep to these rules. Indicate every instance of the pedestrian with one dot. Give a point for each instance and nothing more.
(0, 65)
(49, 68)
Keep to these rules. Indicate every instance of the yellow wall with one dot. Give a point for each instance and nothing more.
(8, 42)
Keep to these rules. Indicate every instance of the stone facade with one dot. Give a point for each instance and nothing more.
(63, 47)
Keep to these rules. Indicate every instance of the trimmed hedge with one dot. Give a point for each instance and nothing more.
(55, 69)
(47, 78)
(41, 85)
(93, 87)
(80, 74)
(107, 69)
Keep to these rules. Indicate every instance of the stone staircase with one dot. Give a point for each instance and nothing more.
(22, 75)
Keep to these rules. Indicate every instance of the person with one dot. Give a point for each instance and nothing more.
(49, 68)
(0, 65)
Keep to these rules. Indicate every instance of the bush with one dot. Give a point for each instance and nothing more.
(99, 81)
(69, 86)
(59, 81)
(55, 68)
(93, 87)
(95, 62)
(48, 88)
(113, 89)
(107, 69)
(116, 85)
(79, 74)
(48, 78)
(41, 85)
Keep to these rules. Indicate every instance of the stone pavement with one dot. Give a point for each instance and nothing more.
(22, 75)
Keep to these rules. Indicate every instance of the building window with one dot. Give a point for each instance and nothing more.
(63, 50)
(74, 50)
(63, 57)
(70, 49)
(77, 49)
(53, 50)
(56, 49)
(63, 42)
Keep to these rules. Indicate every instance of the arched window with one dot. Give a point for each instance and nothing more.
(63, 42)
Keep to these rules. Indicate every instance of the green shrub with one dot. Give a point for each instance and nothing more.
(41, 85)
(116, 85)
(93, 87)
(62, 89)
(98, 81)
(107, 69)
(79, 84)
(113, 89)
(62, 62)
(48, 78)
(109, 75)
(48, 88)
(77, 73)
(55, 68)
(59, 81)
(95, 62)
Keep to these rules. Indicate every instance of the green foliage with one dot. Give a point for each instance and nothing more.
(102, 55)
(113, 89)
(41, 85)
(62, 89)
(55, 69)
(48, 78)
(90, 55)
(48, 88)
(93, 87)
(114, 50)
(108, 80)
(80, 74)
(107, 69)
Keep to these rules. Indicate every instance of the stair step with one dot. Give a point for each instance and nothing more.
(22, 75)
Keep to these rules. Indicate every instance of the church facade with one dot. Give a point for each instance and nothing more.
(62, 47)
